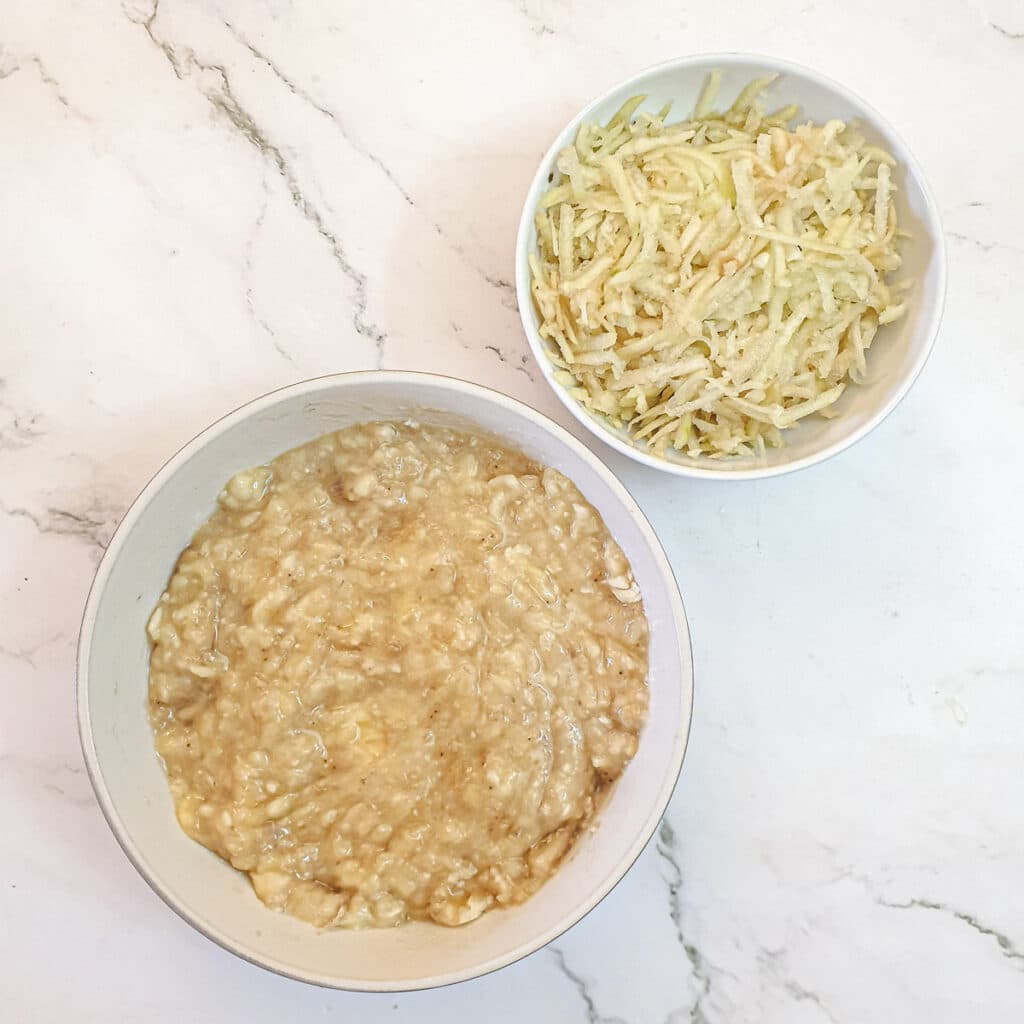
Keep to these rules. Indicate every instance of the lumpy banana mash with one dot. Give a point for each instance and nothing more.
(393, 673)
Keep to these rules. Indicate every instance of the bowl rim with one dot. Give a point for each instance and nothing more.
(138, 858)
(933, 316)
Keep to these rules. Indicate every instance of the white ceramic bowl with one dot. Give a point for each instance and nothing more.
(118, 745)
(899, 351)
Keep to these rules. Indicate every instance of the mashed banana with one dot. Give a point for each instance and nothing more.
(392, 674)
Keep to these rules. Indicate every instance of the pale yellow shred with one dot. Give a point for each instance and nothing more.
(709, 283)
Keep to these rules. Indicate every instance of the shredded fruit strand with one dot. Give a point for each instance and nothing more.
(709, 283)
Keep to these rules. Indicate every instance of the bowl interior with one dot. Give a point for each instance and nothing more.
(119, 745)
(899, 349)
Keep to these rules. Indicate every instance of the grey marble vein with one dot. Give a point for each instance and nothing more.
(306, 97)
(1006, 945)
(54, 85)
(145, 14)
(100, 138)
(250, 300)
(94, 525)
(505, 287)
(594, 1016)
(1006, 32)
(984, 246)
(224, 100)
(48, 79)
(26, 655)
(50, 778)
(772, 960)
(666, 849)
(538, 26)
(523, 365)
(17, 429)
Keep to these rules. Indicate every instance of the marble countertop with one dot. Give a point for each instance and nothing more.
(200, 201)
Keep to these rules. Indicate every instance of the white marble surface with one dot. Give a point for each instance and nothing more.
(205, 200)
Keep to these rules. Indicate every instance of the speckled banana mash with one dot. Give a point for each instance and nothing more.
(393, 673)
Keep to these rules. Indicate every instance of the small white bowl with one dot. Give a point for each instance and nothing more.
(117, 742)
(899, 351)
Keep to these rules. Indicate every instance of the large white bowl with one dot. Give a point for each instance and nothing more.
(118, 745)
(900, 349)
